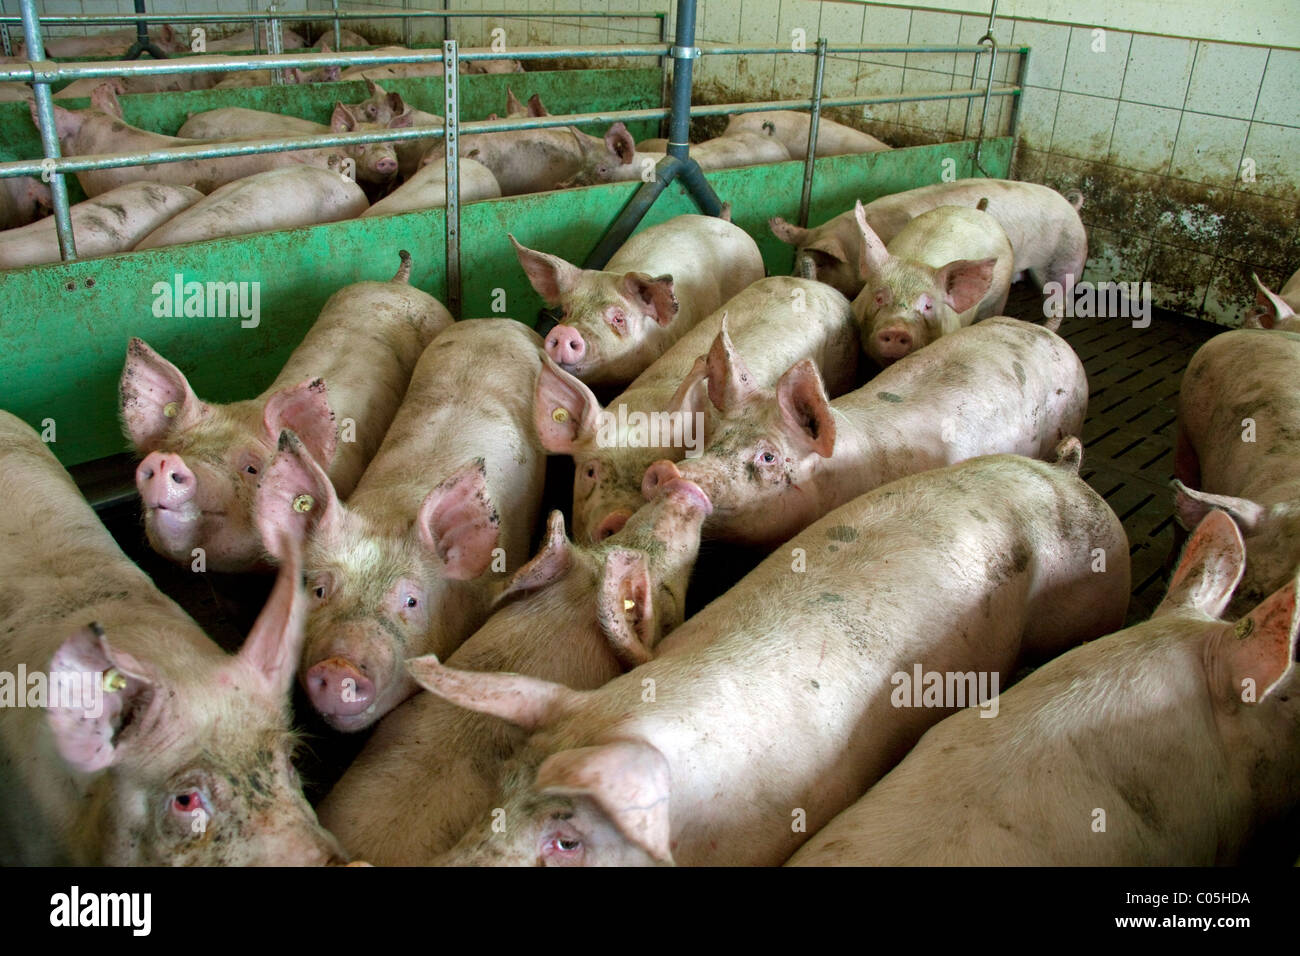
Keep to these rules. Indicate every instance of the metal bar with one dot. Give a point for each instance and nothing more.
(5, 41)
(988, 95)
(326, 140)
(49, 135)
(664, 63)
(406, 25)
(451, 105)
(275, 45)
(446, 23)
(142, 42)
(1022, 71)
(338, 27)
(683, 54)
(805, 198)
(94, 19)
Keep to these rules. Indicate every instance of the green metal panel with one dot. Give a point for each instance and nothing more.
(64, 328)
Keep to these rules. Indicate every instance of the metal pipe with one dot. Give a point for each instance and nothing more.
(988, 95)
(49, 136)
(142, 42)
(451, 104)
(4, 39)
(805, 198)
(338, 27)
(683, 53)
(664, 62)
(275, 45)
(1022, 72)
(96, 19)
(630, 216)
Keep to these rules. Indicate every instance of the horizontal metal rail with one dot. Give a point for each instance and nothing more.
(90, 19)
(177, 154)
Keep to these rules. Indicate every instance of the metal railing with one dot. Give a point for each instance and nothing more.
(677, 165)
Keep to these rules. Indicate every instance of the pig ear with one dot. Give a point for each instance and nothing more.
(625, 606)
(805, 409)
(692, 395)
(794, 235)
(620, 143)
(965, 281)
(167, 34)
(1260, 651)
(274, 645)
(629, 783)
(564, 410)
(342, 120)
(304, 410)
(730, 380)
(829, 246)
(551, 276)
(536, 107)
(326, 46)
(294, 498)
(1276, 307)
(1192, 506)
(513, 106)
(155, 398)
(105, 685)
(654, 293)
(526, 702)
(550, 564)
(459, 523)
(874, 254)
(104, 99)
(1209, 570)
(402, 121)
(395, 103)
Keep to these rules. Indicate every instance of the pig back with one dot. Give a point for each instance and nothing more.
(365, 345)
(1245, 374)
(470, 396)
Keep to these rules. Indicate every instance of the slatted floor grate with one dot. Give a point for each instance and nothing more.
(1128, 437)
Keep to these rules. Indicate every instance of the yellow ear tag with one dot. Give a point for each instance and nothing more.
(560, 415)
(1245, 627)
(628, 604)
(114, 680)
(171, 409)
(303, 503)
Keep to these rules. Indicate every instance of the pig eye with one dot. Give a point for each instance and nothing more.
(617, 320)
(927, 304)
(880, 297)
(250, 469)
(319, 592)
(767, 458)
(189, 806)
(411, 601)
(562, 850)
(591, 471)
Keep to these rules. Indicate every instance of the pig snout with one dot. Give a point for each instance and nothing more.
(612, 523)
(893, 342)
(386, 165)
(164, 481)
(658, 476)
(337, 688)
(689, 493)
(565, 345)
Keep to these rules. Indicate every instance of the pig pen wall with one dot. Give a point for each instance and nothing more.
(64, 327)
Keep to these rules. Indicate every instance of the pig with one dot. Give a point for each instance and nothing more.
(575, 615)
(1238, 449)
(350, 40)
(100, 129)
(658, 145)
(659, 284)
(397, 70)
(23, 200)
(790, 129)
(1276, 310)
(112, 222)
(491, 66)
(276, 199)
(523, 161)
(781, 458)
(1151, 725)
(110, 44)
(251, 39)
(775, 322)
(375, 162)
(410, 565)
(427, 189)
(773, 704)
(152, 746)
(202, 461)
(1043, 226)
(83, 88)
(293, 76)
(945, 269)
(616, 159)
(390, 111)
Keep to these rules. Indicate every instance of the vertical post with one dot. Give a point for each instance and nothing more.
(663, 67)
(49, 135)
(4, 38)
(446, 22)
(451, 142)
(275, 44)
(805, 198)
(1022, 71)
(406, 25)
(683, 55)
(338, 27)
